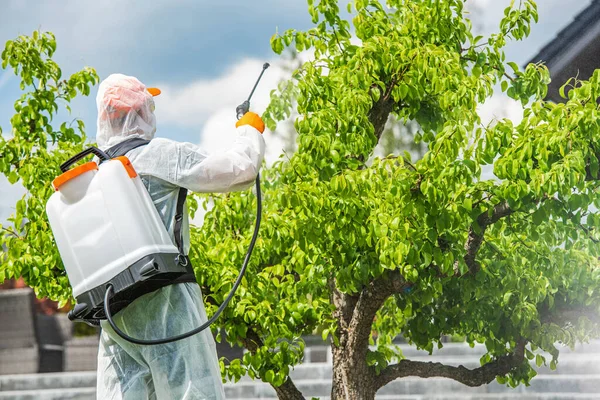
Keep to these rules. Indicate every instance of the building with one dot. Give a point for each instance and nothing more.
(574, 52)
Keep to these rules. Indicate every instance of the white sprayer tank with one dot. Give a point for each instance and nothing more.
(103, 221)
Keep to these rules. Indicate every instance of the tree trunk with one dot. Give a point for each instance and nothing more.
(351, 380)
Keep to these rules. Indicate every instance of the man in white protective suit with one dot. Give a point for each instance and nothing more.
(188, 368)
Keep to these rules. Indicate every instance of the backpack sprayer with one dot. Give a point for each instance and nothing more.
(112, 241)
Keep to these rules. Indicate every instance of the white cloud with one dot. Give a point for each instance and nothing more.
(219, 133)
(191, 105)
(479, 3)
(498, 107)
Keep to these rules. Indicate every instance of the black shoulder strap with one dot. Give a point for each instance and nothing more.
(121, 149)
(177, 232)
(124, 147)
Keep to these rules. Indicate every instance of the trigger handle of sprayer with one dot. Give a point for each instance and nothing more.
(242, 109)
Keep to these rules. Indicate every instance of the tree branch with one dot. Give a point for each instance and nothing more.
(369, 301)
(486, 219)
(10, 231)
(338, 41)
(344, 307)
(585, 229)
(379, 113)
(470, 377)
(288, 390)
(405, 160)
(511, 78)
(475, 238)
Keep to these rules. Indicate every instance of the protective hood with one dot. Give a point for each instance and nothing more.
(125, 110)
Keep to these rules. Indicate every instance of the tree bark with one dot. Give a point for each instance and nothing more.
(379, 114)
(470, 377)
(288, 391)
(352, 378)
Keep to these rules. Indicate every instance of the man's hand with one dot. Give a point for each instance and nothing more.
(253, 120)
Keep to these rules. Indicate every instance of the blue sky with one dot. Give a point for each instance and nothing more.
(175, 42)
(204, 54)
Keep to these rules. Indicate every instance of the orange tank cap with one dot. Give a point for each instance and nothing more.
(127, 164)
(73, 173)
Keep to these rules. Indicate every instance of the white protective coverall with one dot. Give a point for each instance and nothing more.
(186, 369)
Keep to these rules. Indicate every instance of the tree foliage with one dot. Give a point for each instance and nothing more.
(30, 155)
(362, 250)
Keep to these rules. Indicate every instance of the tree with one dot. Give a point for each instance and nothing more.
(363, 251)
(31, 155)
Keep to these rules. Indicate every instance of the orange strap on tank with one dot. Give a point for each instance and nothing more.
(127, 164)
(72, 173)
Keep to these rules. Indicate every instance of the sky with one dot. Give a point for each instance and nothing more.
(204, 55)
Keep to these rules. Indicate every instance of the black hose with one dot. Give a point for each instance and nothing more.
(109, 291)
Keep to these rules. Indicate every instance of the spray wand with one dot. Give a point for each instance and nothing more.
(245, 106)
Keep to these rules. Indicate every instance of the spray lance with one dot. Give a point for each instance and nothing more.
(245, 106)
(240, 111)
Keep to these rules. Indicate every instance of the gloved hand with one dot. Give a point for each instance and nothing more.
(253, 120)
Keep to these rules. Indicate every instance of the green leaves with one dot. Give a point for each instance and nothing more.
(357, 219)
(561, 91)
(277, 44)
(26, 159)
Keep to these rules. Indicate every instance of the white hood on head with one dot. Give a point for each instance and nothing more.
(125, 110)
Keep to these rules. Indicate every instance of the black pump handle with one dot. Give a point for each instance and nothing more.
(91, 150)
